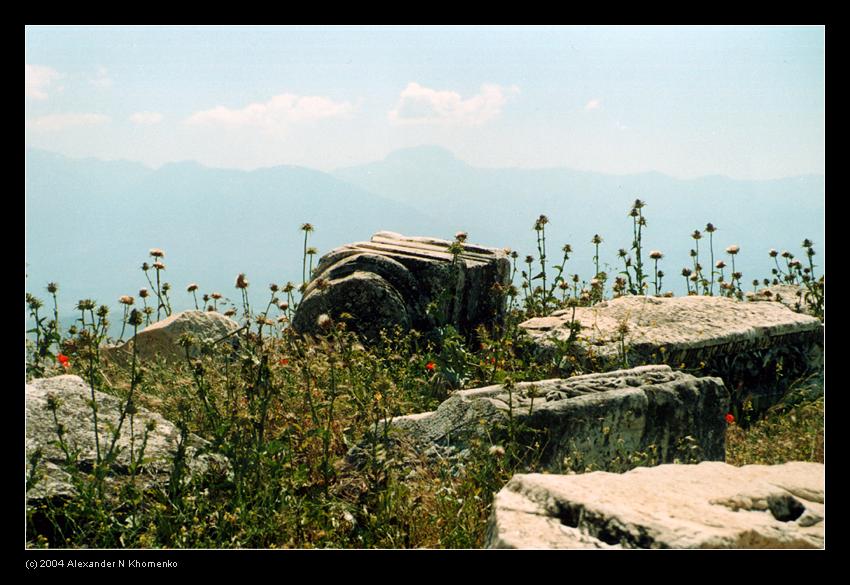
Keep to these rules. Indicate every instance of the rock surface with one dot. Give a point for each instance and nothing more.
(75, 414)
(718, 335)
(796, 298)
(392, 279)
(591, 419)
(160, 338)
(709, 505)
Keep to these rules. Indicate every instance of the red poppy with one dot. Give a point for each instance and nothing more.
(284, 361)
(730, 419)
(64, 360)
(430, 366)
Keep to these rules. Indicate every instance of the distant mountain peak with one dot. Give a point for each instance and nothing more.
(426, 154)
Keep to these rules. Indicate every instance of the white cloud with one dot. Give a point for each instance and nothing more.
(102, 80)
(55, 122)
(37, 80)
(593, 104)
(279, 111)
(423, 105)
(146, 118)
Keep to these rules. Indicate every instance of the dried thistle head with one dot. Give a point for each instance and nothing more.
(656, 255)
(733, 249)
(192, 287)
(159, 265)
(241, 281)
(157, 253)
(52, 287)
(126, 300)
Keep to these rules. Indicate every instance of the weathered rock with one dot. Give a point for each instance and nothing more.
(161, 338)
(709, 505)
(796, 298)
(392, 279)
(74, 413)
(593, 419)
(720, 336)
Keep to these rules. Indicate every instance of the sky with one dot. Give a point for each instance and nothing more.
(744, 102)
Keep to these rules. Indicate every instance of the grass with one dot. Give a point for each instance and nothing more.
(287, 409)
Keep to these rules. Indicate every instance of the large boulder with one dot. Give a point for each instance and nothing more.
(592, 420)
(406, 281)
(161, 338)
(74, 413)
(709, 505)
(741, 342)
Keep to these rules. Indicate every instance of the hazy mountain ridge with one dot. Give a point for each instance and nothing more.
(90, 223)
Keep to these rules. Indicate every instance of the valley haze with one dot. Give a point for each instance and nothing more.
(89, 223)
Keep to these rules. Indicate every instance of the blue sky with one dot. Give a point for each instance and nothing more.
(745, 102)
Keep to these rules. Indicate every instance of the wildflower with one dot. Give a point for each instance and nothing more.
(621, 253)
(709, 227)
(773, 253)
(85, 305)
(102, 311)
(166, 287)
(540, 222)
(807, 243)
(497, 451)
(159, 265)
(241, 281)
(64, 360)
(430, 366)
(567, 249)
(146, 266)
(656, 255)
(324, 321)
(733, 249)
(686, 272)
(596, 239)
(288, 287)
(461, 236)
(228, 313)
(157, 253)
(729, 418)
(693, 253)
(283, 306)
(192, 287)
(720, 264)
(52, 287)
(215, 295)
(284, 361)
(638, 204)
(786, 254)
(514, 255)
(529, 259)
(660, 274)
(273, 287)
(696, 235)
(307, 227)
(135, 318)
(311, 251)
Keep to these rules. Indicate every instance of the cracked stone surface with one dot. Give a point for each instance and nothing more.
(708, 505)
(698, 325)
(160, 338)
(391, 279)
(75, 415)
(598, 417)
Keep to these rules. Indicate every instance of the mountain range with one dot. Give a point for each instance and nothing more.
(90, 223)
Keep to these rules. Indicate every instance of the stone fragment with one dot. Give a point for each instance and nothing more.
(406, 281)
(74, 414)
(649, 412)
(161, 338)
(709, 505)
(740, 342)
